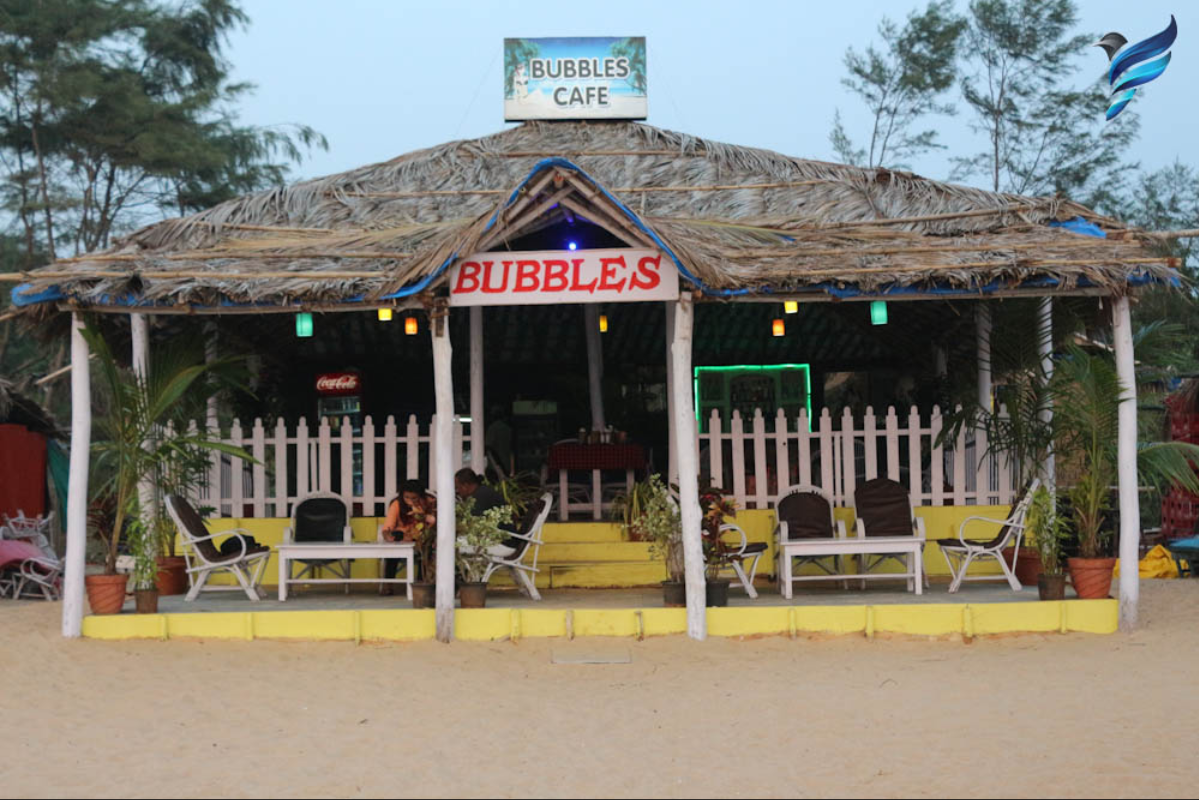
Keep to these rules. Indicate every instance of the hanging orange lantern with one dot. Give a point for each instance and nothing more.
(778, 328)
(410, 326)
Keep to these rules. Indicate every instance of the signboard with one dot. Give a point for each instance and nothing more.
(339, 383)
(575, 78)
(620, 275)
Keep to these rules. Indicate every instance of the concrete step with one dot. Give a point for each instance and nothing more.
(592, 576)
(576, 552)
(582, 532)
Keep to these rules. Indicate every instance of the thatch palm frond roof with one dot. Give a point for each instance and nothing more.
(735, 219)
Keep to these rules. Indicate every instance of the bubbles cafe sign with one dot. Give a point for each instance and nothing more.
(569, 79)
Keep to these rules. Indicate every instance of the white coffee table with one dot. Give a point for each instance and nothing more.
(913, 546)
(335, 551)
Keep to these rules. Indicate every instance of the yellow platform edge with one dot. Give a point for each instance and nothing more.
(493, 624)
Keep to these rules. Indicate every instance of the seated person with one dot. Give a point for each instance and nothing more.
(413, 509)
(468, 484)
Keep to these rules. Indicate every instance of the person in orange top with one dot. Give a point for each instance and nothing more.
(413, 510)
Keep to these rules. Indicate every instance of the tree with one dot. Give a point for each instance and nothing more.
(900, 84)
(116, 112)
(1042, 137)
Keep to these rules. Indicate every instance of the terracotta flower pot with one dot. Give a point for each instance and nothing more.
(172, 575)
(1027, 566)
(473, 595)
(146, 601)
(717, 593)
(1091, 577)
(674, 594)
(1051, 587)
(106, 593)
(424, 595)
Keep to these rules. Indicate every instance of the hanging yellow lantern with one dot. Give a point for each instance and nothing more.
(791, 307)
(603, 323)
(385, 315)
(779, 328)
(410, 326)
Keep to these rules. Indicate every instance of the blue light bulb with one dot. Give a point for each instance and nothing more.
(572, 246)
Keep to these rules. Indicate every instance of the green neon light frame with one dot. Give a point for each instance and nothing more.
(807, 376)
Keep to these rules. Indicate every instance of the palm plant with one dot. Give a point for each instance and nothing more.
(1086, 393)
(137, 436)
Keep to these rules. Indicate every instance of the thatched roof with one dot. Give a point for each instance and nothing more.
(18, 409)
(735, 219)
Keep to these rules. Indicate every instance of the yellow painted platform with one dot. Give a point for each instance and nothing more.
(492, 624)
(595, 555)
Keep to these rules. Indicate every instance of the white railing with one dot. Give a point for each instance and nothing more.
(752, 463)
(293, 462)
(741, 456)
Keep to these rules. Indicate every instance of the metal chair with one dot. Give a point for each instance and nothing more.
(961, 553)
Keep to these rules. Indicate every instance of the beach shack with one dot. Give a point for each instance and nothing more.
(770, 321)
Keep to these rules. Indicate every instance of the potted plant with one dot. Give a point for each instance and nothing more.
(180, 471)
(144, 544)
(424, 587)
(647, 514)
(1047, 528)
(133, 441)
(1086, 392)
(714, 507)
(477, 533)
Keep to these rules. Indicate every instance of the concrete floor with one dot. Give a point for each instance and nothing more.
(325, 598)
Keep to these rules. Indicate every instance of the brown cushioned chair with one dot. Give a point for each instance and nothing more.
(204, 558)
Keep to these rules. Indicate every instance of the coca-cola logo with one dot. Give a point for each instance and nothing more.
(338, 383)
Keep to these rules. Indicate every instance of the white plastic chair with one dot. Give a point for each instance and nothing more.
(204, 559)
(747, 551)
(961, 554)
(338, 534)
(514, 560)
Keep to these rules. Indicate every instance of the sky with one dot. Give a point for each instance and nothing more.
(380, 78)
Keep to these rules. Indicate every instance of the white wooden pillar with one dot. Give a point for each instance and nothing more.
(81, 442)
(672, 473)
(1045, 344)
(1126, 441)
(210, 356)
(139, 326)
(478, 440)
(443, 479)
(982, 319)
(688, 462)
(595, 366)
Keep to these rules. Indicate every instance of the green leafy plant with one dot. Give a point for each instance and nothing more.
(133, 440)
(714, 507)
(476, 533)
(519, 491)
(1048, 529)
(649, 514)
(144, 544)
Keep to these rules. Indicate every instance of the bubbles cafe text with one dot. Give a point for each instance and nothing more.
(579, 69)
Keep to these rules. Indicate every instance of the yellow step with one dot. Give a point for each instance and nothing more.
(582, 532)
(596, 576)
(575, 552)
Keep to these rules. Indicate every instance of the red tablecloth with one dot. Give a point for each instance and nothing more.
(596, 456)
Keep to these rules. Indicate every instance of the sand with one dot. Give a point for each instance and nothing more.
(1019, 716)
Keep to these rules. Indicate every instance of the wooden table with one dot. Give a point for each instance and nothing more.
(869, 545)
(336, 551)
(593, 458)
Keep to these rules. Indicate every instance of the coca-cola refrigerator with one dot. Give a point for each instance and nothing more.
(339, 396)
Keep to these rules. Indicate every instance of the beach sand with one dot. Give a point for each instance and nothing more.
(1017, 716)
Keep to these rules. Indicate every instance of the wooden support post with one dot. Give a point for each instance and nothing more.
(210, 355)
(688, 461)
(595, 366)
(478, 441)
(982, 319)
(139, 325)
(1045, 343)
(1130, 510)
(672, 467)
(443, 478)
(81, 442)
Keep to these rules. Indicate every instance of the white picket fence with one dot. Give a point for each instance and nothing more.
(753, 464)
(744, 459)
